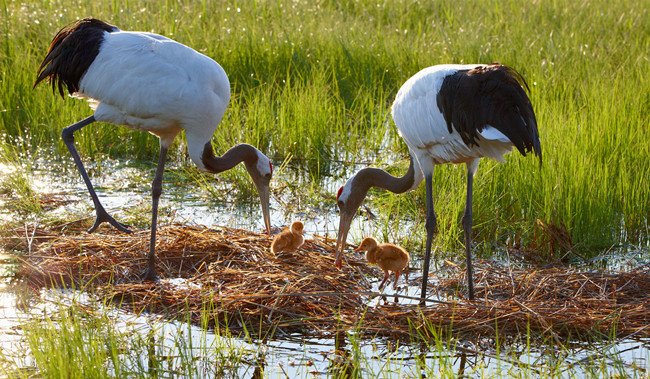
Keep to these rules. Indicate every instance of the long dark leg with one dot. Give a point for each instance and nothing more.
(430, 226)
(102, 216)
(467, 226)
(156, 190)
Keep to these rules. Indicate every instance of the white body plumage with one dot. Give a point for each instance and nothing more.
(151, 83)
(423, 127)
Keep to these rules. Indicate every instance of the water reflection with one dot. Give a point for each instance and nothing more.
(260, 365)
(152, 359)
(342, 364)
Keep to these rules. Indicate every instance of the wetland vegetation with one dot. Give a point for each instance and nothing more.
(312, 85)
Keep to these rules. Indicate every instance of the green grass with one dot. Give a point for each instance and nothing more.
(68, 339)
(315, 81)
(75, 341)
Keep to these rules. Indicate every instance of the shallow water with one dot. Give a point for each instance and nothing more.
(293, 355)
(296, 356)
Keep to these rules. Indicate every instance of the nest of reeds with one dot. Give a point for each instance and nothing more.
(228, 277)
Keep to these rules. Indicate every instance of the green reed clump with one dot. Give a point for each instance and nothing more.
(16, 185)
(76, 341)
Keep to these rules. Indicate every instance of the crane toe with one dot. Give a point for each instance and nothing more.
(150, 275)
(103, 216)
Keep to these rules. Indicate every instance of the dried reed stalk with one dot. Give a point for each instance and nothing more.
(230, 278)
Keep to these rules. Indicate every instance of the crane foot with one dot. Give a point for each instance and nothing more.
(103, 216)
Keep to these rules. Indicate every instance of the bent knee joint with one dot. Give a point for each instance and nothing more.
(67, 135)
(466, 221)
(156, 190)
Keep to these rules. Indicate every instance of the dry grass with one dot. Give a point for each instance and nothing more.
(231, 276)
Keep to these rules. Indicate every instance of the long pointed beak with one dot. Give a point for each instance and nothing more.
(345, 219)
(264, 191)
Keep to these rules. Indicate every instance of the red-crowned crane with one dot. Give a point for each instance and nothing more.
(148, 82)
(449, 114)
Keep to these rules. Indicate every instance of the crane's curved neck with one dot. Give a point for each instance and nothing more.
(354, 191)
(374, 177)
(237, 154)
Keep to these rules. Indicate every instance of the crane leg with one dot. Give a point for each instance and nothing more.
(430, 226)
(467, 222)
(156, 190)
(101, 215)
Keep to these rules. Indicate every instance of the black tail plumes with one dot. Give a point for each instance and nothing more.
(490, 95)
(514, 109)
(72, 51)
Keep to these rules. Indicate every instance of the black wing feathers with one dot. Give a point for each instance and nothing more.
(72, 51)
(469, 100)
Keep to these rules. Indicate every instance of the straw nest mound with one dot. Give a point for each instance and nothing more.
(231, 276)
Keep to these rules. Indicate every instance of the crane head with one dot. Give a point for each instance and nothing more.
(261, 173)
(348, 199)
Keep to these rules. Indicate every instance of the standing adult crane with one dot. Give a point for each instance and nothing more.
(148, 82)
(449, 114)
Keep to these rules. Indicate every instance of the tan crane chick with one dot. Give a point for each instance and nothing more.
(387, 256)
(290, 240)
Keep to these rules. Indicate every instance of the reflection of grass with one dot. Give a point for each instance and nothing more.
(316, 83)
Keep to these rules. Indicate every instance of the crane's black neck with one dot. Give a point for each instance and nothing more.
(237, 154)
(374, 177)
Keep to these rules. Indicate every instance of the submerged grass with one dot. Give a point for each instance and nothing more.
(315, 81)
(75, 340)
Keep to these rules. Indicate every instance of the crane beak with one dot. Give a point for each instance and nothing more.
(345, 219)
(264, 191)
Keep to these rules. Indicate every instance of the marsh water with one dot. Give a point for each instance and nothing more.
(285, 355)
